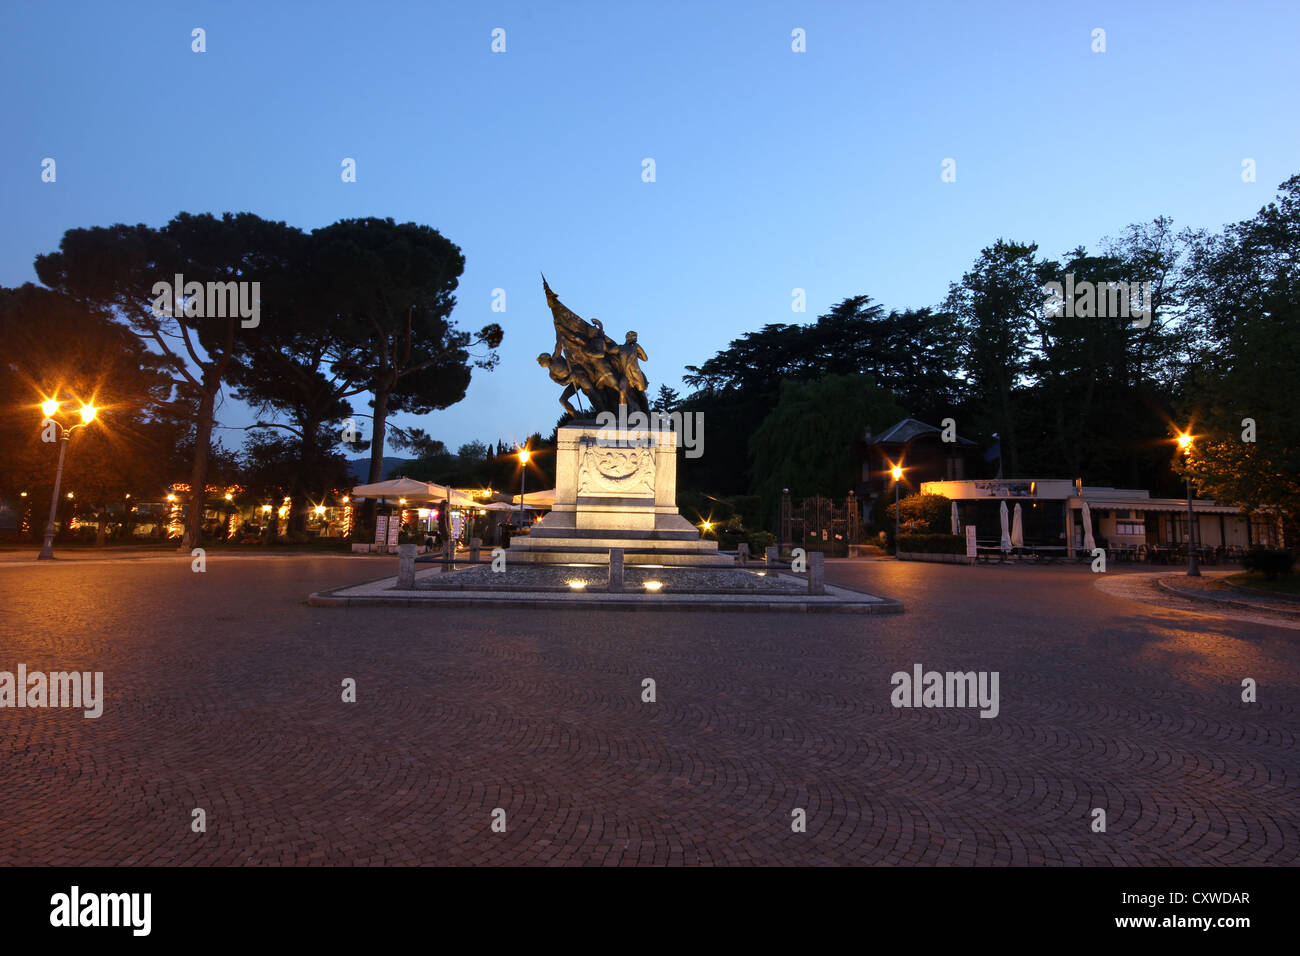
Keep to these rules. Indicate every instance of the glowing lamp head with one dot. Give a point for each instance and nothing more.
(171, 497)
(229, 496)
(1185, 441)
(896, 472)
(88, 413)
(320, 509)
(524, 455)
(49, 407)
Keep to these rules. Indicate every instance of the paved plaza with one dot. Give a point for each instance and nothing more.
(223, 693)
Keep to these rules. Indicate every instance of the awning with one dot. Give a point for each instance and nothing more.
(1158, 504)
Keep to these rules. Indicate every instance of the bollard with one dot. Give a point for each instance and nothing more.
(772, 553)
(742, 553)
(475, 545)
(816, 573)
(615, 570)
(406, 566)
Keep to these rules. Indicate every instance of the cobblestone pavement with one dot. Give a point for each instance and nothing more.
(223, 692)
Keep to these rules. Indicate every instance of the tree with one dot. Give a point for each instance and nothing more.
(666, 400)
(1244, 303)
(914, 354)
(56, 344)
(390, 288)
(117, 268)
(996, 305)
(284, 373)
(806, 443)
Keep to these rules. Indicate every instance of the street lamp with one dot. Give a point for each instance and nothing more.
(524, 455)
(50, 407)
(1193, 568)
(897, 474)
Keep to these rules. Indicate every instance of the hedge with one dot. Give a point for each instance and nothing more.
(1268, 561)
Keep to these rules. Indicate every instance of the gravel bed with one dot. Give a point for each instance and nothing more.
(547, 577)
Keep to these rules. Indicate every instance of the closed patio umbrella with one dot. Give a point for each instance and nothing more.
(1006, 536)
(1018, 528)
(956, 524)
(1089, 542)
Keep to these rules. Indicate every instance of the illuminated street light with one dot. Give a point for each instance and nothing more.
(897, 472)
(1193, 566)
(524, 455)
(50, 407)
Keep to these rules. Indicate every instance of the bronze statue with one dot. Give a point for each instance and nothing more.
(586, 360)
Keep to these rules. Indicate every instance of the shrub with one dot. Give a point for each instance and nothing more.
(924, 514)
(759, 541)
(1268, 561)
(932, 543)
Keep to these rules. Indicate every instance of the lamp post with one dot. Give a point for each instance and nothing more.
(524, 455)
(1193, 568)
(50, 408)
(897, 474)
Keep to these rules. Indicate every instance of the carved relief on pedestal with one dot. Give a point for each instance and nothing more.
(615, 472)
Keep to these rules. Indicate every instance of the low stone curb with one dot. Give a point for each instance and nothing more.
(935, 557)
(1201, 595)
(837, 600)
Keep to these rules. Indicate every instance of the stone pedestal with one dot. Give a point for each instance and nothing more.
(615, 488)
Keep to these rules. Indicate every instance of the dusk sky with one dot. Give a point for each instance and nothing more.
(775, 170)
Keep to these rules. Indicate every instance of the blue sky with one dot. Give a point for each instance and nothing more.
(775, 170)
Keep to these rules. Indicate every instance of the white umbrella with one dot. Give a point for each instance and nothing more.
(537, 499)
(1089, 542)
(956, 524)
(459, 499)
(1018, 528)
(1006, 537)
(413, 491)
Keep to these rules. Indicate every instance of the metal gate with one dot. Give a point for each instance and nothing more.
(820, 524)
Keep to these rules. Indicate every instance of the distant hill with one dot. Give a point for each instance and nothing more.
(359, 468)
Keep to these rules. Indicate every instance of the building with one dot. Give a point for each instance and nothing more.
(1122, 519)
(923, 454)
